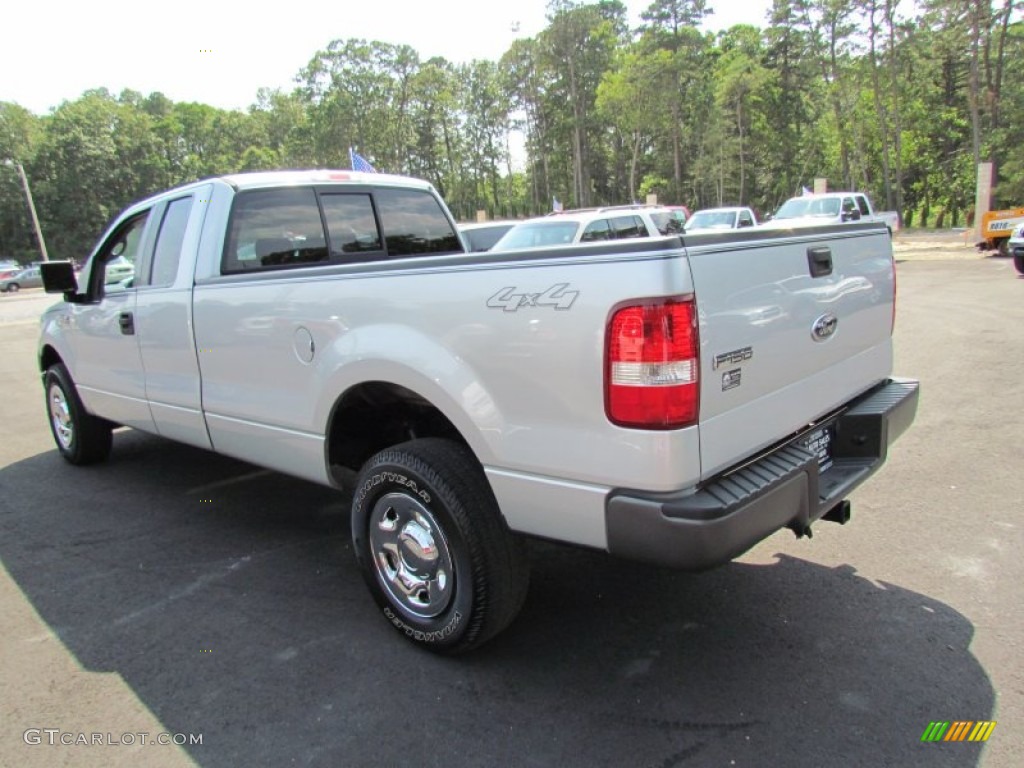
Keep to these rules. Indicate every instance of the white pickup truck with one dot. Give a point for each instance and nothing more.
(812, 210)
(665, 399)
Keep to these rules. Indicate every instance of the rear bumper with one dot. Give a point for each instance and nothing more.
(782, 488)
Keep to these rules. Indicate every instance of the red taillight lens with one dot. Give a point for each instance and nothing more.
(651, 375)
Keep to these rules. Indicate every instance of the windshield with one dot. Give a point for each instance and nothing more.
(798, 207)
(711, 220)
(536, 234)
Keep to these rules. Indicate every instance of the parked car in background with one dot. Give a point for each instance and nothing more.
(827, 208)
(118, 270)
(26, 278)
(1016, 248)
(720, 219)
(590, 225)
(481, 236)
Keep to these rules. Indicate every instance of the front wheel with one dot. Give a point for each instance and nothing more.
(1018, 262)
(13, 288)
(81, 437)
(433, 547)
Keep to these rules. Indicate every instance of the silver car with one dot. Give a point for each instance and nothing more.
(481, 236)
(27, 278)
(587, 226)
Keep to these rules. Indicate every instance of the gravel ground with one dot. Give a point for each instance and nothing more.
(933, 244)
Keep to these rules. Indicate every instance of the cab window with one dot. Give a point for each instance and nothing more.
(117, 259)
(274, 229)
(169, 241)
(414, 224)
(351, 226)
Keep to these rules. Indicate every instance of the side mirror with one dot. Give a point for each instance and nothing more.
(853, 215)
(59, 277)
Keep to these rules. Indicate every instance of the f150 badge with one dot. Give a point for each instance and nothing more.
(511, 299)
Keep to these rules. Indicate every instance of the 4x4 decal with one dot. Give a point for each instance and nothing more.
(511, 299)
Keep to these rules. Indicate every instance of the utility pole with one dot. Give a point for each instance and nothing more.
(31, 207)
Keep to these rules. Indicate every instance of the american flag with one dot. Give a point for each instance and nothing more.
(360, 163)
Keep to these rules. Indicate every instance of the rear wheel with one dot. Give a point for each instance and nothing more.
(81, 437)
(13, 287)
(433, 547)
(1004, 246)
(1018, 261)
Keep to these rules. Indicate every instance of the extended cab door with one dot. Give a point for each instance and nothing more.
(163, 318)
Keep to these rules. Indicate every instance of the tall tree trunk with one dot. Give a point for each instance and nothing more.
(894, 84)
(996, 86)
(883, 119)
(974, 82)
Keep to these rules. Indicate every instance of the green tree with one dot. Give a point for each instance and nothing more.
(20, 134)
(575, 51)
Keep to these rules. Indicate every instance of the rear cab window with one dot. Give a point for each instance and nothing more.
(287, 227)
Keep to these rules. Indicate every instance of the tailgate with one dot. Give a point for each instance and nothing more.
(792, 326)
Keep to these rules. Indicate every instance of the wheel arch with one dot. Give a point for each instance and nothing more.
(48, 356)
(373, 415)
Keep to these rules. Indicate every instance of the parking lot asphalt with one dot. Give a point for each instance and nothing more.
(174, 591)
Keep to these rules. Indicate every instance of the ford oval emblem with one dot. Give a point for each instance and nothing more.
(824, 327)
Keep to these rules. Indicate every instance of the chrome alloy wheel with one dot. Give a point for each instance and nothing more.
(411, 555)
(60, 415)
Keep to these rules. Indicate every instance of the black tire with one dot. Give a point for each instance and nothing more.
(1018, 262)
(433, 547)
(81, 437)
(1004, 246)
(13, 288)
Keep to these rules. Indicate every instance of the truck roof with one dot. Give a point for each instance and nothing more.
(257, 179)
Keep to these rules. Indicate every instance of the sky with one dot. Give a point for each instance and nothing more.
(220, 52)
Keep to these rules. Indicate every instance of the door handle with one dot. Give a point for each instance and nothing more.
(819, 261)
(127, 322)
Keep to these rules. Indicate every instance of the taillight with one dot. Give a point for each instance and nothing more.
(651, 373)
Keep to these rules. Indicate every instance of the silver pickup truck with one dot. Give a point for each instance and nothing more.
(673, 402)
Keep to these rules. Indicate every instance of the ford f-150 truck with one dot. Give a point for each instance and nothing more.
(673, 400)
